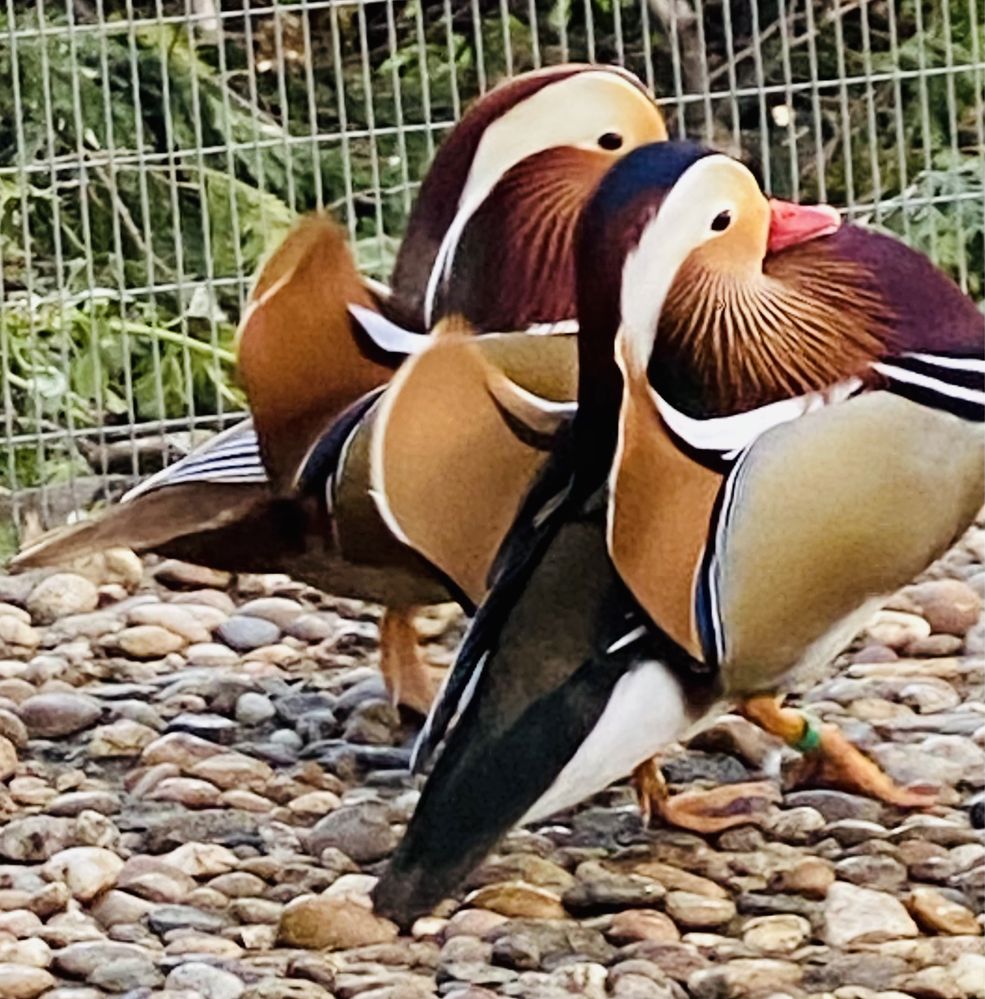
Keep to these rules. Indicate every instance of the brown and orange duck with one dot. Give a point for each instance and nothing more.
(501, 199)
(779, 424)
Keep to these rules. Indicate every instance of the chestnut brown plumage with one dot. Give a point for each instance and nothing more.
(310, 369)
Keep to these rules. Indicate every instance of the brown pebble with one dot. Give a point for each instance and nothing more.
(631, 925)
(518, 900)
(939, 914)
(318, 923)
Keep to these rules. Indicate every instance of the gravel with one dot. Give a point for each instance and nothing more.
(201, 779)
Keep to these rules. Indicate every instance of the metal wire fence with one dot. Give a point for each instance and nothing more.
(151, 150)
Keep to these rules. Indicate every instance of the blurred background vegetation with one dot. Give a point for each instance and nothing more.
(152, 150)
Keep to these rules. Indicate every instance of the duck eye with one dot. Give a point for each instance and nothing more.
(610, 141)
(721, 221)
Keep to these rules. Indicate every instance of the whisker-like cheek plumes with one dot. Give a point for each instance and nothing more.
(808, 321)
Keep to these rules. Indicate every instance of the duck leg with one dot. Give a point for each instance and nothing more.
(406, 674)
(700, 811)
(836, 761)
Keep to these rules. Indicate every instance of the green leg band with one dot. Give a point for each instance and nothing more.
(810, 738)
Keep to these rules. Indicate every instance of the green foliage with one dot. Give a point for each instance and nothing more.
(148, 165)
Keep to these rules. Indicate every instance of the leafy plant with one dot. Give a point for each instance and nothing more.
(148, 162)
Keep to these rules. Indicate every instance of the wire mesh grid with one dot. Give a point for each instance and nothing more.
(152, 150)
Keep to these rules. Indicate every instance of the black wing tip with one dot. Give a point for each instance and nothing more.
(403, 895)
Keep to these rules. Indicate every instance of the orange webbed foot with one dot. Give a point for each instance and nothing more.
(700, 811)
(833, 761)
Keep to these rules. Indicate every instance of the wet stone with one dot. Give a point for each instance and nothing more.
(317, 726)
(870, 970)
(254, 709)
(58, 714)
(938, 914)
(61, 594)
(837, 805)
(372, 723)
(87, 870)
(319, 923)
(601, 890)
(518, 900)
(12, 728)
(293, 707)
(125, 974)
(856, 915)
(949, 606)
(184, 575)
(244, 633)
(631, 925)
(690, 911)
(361, 832)
(778, 934)
(208, 981)
(73, 802)
(772, 903)
(214, 728)
(149, 641)
(281, 611)
(80, 960)
(35, 837)
(811, 876)
(20, 982)
(882, 873)
(166, 918)
(717, 768)
(745, 977)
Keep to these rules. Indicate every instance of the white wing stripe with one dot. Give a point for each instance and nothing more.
(735, 433)
(231, 457)
(958, 363)
(387, 335)
(627, 639)
(931, 384)
(463, 702)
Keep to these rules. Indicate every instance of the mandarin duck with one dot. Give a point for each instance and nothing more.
(779, 424)
(502, 197)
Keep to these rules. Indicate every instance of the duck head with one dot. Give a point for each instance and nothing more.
(723, 300)
(491, 233)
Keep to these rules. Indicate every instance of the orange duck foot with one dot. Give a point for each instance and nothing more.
(705, 812)
(832, 760)
(407, 676)
(838, 763)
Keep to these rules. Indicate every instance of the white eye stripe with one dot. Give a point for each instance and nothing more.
(666, 242)
(575, 111)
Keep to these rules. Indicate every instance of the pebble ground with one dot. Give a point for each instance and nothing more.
(201, 777)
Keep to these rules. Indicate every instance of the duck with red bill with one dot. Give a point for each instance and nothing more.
(767, 445)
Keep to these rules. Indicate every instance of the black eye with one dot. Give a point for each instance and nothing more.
(610, 141)
(721, 221)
